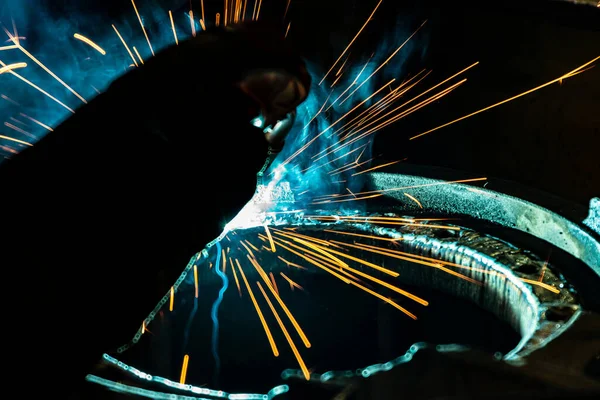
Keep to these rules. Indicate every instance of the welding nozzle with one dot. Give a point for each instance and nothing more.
(276, 133)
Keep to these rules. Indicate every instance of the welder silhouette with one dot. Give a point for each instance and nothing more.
(134, 184)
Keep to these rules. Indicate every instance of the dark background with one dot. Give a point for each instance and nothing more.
(548, 140)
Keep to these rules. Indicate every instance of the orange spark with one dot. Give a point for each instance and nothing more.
(138, 54)
(259, 5)
(263, 275)
(318, 112)
(299, 151)
(423, 93)
(291, 282)
(248, 249)
(348, 167)
(287, 7)
(567, 75)
(342, 67)
(125, 44)
(462, 71)
(287, 335)
(173, 27)
(414, 199)
(343, 265)
(37, 122)
(378, 167)
(365, 263)
(322, 252)
(288, 29)
(453, 228)
(315, 263)
(352, 41)
(291, 264)
(90, 43)
(143, 28)
(270, 238)
(12, 67)
(358, 217)
(260, 315)
(342, 156)
(306, 237)
(193, 23)
(540, 284)
(381, 104)
(8, 98)
(544, 268)
(390, 253)
(186, 360)
(237, 282)
(251, 245)
(351, 84)
(274, 283)
(354, 199)
(385, 62)
(196, 280)
(18, 121)
(417, 186)
(395, 118)
(361, 235)
(392, 303)
(336, 80)
(37, 88)
(15, 140)
(16, 128)
(39, 63)
(336, 268)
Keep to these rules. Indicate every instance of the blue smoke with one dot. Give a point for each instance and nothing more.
(51, 40)
(215, 311)
(188, 326)
(319, 169)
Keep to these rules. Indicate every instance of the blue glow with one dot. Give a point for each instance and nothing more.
(215, 311)
(281, 389)
(188, 326)
(50, 39)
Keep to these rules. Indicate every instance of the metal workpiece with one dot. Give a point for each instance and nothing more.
(457, 199)
(446, 247)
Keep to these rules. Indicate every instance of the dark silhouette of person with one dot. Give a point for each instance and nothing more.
(129, 189)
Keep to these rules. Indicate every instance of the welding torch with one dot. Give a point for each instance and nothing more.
(275, 135)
